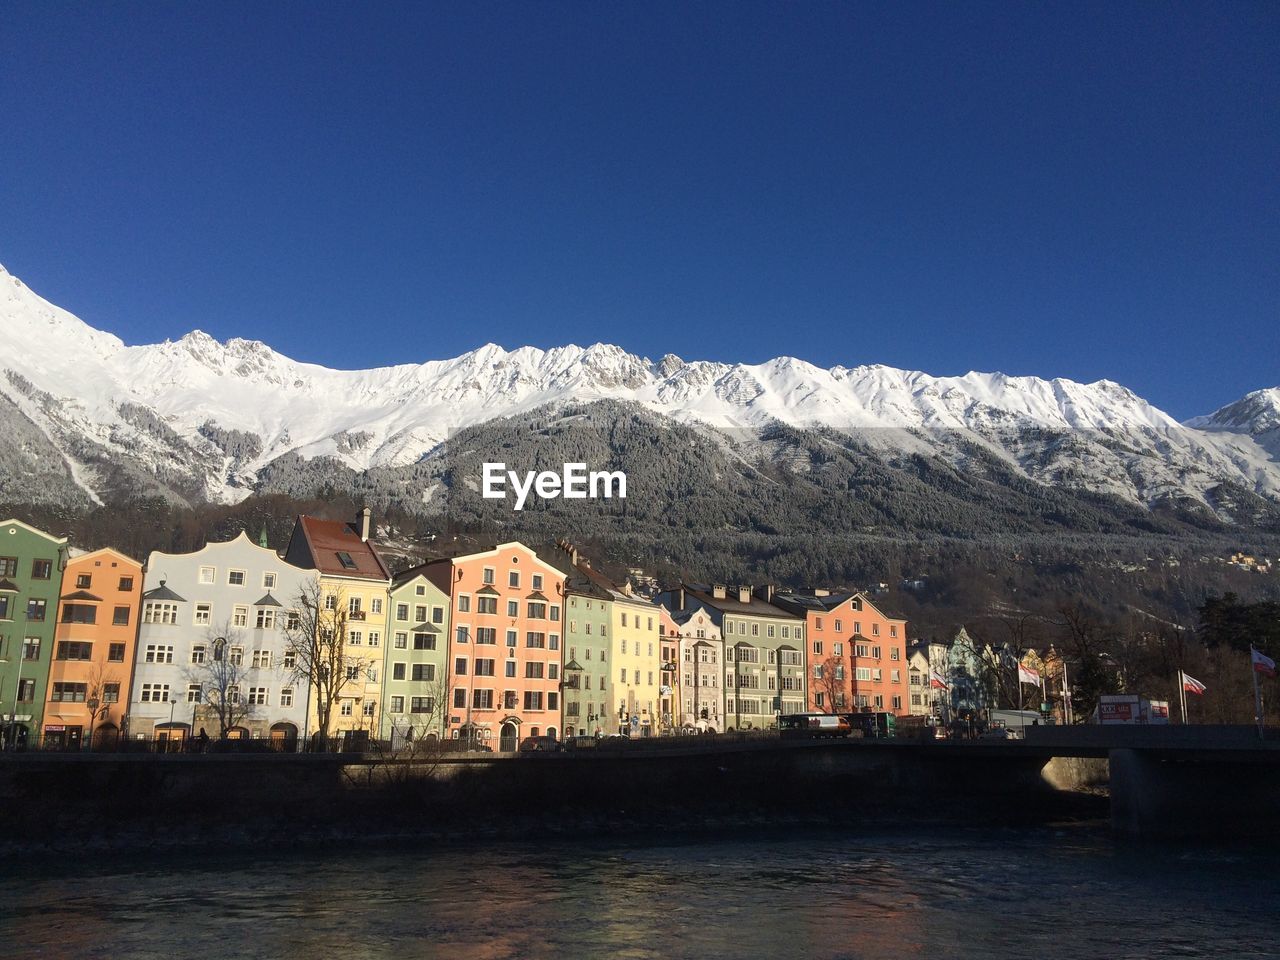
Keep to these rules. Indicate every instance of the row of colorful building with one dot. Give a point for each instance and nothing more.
(495, 645)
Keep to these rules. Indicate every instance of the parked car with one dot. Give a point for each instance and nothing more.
(540, 745)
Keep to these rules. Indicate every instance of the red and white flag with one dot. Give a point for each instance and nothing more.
(1192, 685)
(935, 681)
(1028, 674)
(1262, 663)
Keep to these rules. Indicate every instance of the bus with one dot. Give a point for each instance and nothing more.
(879, 725)
(812, 726)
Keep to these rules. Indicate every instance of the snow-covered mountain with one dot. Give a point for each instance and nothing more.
(199, 419)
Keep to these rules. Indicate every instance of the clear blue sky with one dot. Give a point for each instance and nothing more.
(1080, 190)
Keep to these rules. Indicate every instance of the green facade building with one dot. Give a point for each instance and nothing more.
(416, 691)
(31, 565)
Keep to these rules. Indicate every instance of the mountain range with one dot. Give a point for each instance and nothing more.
(89, 419)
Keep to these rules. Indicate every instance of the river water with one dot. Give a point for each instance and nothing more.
(938, 893)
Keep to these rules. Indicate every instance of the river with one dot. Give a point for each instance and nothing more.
(1061, 893)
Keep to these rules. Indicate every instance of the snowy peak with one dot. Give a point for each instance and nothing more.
(1255, 413)
(217, 414)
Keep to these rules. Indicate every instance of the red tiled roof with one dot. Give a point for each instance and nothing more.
(326, 539)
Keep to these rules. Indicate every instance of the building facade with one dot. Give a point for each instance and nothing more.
(93, 655)
(213, 629)
(701, 663)
(764, 651)
(416, 668)
(353, 577)
(31, 565)
(505, 644)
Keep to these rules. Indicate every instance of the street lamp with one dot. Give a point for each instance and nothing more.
(92, 703)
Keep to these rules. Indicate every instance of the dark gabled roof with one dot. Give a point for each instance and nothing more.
(754, 607)
(8, 586)
(572, 665)
(84, 595)
(487, 591)
(268, 601)
(326, 539)
(536, 595)
(163, 593)
(425, 628)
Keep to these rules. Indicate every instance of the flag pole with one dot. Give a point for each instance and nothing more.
(1257, 692)
(1182, 695)
(1066, 694)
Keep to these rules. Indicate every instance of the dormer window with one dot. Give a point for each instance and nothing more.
(344, 558)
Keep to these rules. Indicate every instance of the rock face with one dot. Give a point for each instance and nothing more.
(89, 418)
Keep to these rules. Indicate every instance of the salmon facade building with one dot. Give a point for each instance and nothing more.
(93, 650)
(856, 654)
(505, 650)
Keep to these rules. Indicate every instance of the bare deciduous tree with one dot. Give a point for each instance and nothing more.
(315, 640)
(222, 677)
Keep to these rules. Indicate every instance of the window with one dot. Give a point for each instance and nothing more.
(537, 641)
(290, 659)
(875, 651)
(115, 652)
(534, 671)
(424, 641)
(347, 563)
(420, 613)
(513, 578)
(159, 653)
(837, 649)
(482, 699)
(353, 672)
(236, 656)
(68, 692)
(464, 603)
(402, 611)
(240, 616)
(533, 699)
(204, 614)
(193, 692)
(36, 610)
(537, 610)
(893, 631)
(286, 697)
(460, 666)
(511, 638)
(513, 608)
(420, 590)
(4, 608)
(875, 632)
(426, 672)
(126, 584)
(79, 613)
(460, 698)
(397, 671)
(817, 647)
(537, 581)
(375, 605)
(509, 668)
(353, 608)
(258, 696)
(401, 640)
(355, 638)
(155, 693)
(486, 635)
(27, 690)
(893, 652)
(120, 617)
(266, 619)
(197, 653)
(207, 575)
(489, 574)
(397, 704)
(428, 704)
(8, 566)
(268, 581)
(487, 605)
(460, 635)
(235, 578)
(83, 580)
(755, 629)
(262, 659)
(330, 602)
(156, 611)
(111, 693)
(375, 638)
(437, 615)
(348, 707)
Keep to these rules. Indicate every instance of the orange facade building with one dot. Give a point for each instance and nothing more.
(505, 650)
(93, 650)
(856, 655)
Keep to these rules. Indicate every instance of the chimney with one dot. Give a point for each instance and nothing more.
(744, 594)
(682, 597)
(362, 522)
(718, 591)
(765, 593)
(821, 592)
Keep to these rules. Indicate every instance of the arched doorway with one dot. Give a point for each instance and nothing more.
(284, 737)
(106, 736)
(551, 732)
(171, 736)
(238, 733)
(509, 737)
